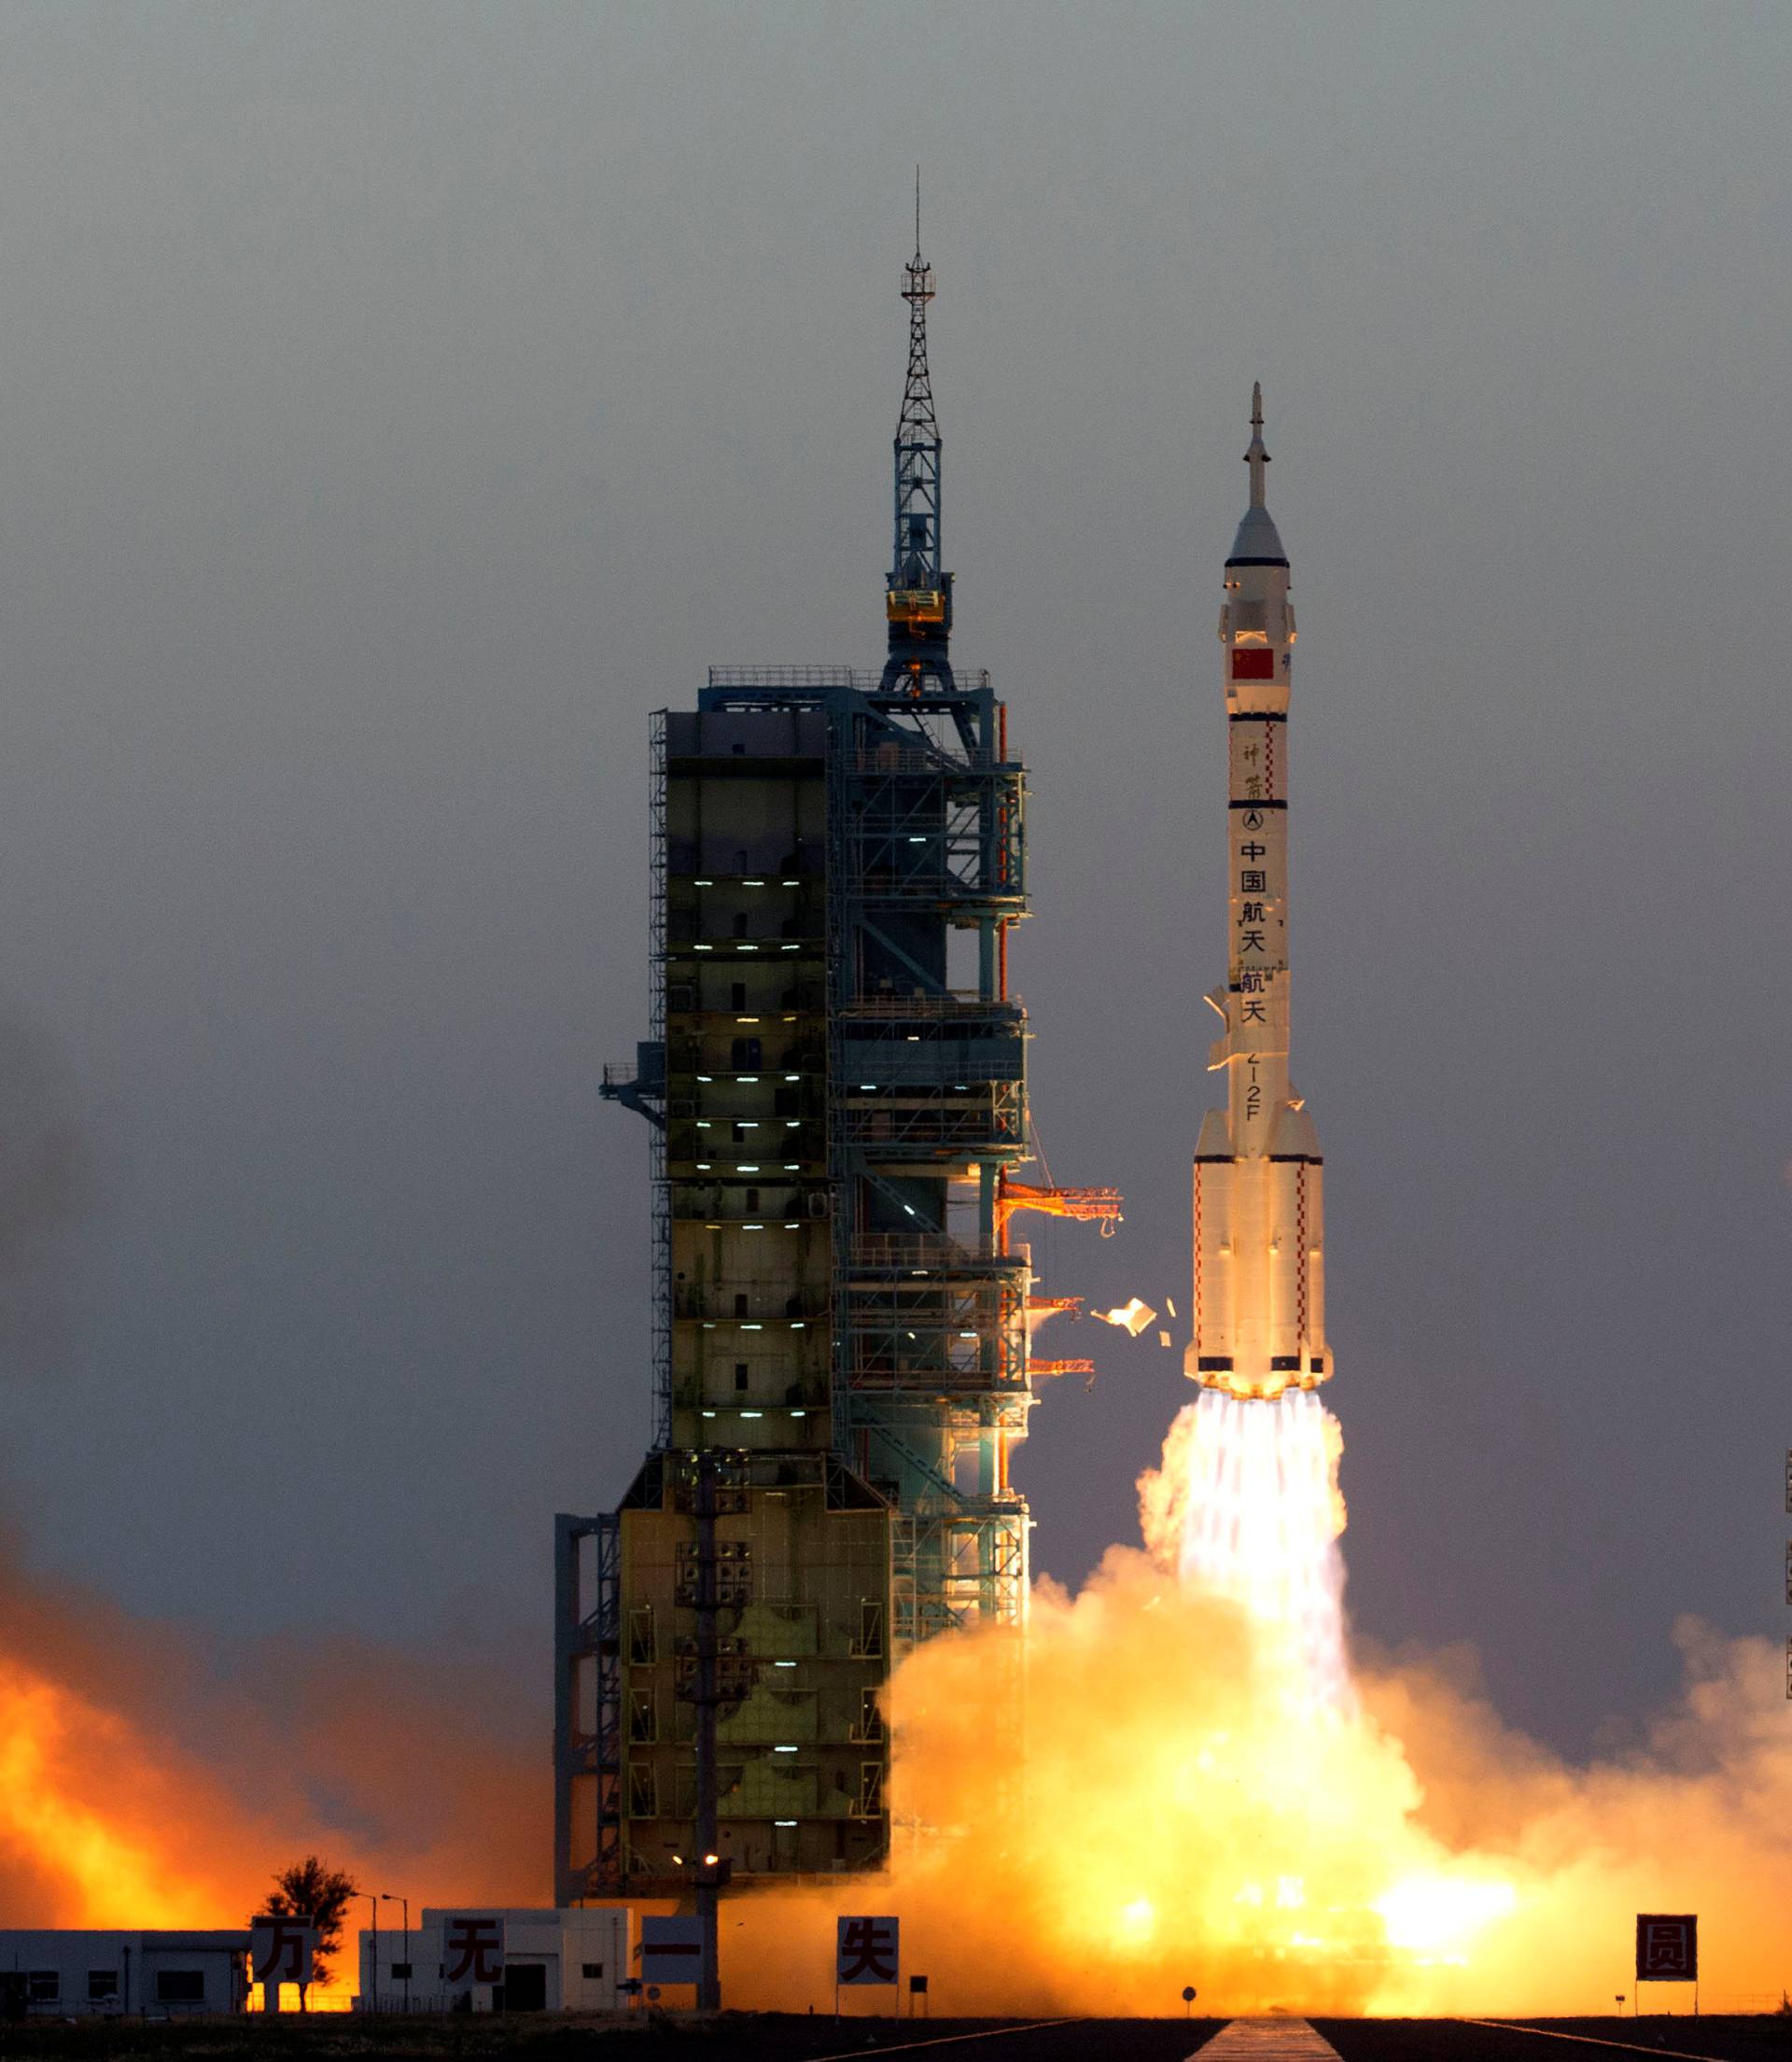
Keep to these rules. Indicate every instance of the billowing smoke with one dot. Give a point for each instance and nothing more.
(149, 1777)
(1175, 1782)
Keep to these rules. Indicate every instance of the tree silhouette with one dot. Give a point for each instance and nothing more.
(311, 1889)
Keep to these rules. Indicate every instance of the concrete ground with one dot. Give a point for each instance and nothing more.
(772, 2038)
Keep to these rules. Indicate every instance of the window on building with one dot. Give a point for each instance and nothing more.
(592, 1972)
(738, 992)
(400, 1973)
(44, 1986)
(180, 1986)
(102, 1983)
(740, 1374)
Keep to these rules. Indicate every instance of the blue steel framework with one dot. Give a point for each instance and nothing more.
(928, 1378)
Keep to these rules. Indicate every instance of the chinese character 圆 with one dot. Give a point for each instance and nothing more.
(473, 1951)
(1666, 1947)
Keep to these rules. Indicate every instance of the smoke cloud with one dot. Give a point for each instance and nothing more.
(1149, 1795)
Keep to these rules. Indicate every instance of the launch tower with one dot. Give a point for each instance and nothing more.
(836, 1079)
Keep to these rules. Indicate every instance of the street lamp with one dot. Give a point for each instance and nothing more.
(373, 2002)
(388, 1898)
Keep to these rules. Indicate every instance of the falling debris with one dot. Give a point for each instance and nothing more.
(1133, 1316)
(1169, 1305)
(1163, 1338)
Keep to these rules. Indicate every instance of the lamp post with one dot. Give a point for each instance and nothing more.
(371, 2003)
(389, 1898)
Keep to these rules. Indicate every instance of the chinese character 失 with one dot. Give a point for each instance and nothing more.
(866, 1951)
(474, 1950)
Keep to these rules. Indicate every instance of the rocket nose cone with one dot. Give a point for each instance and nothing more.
(1258, 542)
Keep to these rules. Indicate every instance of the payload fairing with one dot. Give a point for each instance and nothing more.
(1259, 1230)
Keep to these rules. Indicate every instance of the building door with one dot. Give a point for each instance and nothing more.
(525, 1988)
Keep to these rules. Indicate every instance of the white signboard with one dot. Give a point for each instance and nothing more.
(866, 1951)
(671, 1951)
(281, 1947)
(472, 1948)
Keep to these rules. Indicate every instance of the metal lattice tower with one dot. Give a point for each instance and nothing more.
(919, 602)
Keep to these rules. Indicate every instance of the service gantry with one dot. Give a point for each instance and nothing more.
(835, 1078)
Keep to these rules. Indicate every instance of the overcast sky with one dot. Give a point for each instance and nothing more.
(403, 401)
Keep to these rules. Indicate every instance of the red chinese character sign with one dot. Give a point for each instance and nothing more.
(1667, 1947)
(472, 1948)
(866, 1951)
(281, 1946)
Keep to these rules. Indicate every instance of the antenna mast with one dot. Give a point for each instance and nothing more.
(919, 601)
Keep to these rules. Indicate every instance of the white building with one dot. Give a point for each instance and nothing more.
(551, 1961)
(72, 1974)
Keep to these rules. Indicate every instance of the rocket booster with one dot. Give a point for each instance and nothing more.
(1259, 1299)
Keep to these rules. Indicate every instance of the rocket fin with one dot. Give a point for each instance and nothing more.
(1293, 1133)
(1216, 1137)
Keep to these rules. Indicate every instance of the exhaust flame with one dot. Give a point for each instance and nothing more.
(1177, 1777)
(1247, 1506)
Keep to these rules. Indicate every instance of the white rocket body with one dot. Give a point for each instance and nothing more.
(1259, 1301)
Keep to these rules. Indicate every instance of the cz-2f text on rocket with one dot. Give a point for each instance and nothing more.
(1259, 1232)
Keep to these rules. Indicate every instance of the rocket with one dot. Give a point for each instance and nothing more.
(1259, 1231)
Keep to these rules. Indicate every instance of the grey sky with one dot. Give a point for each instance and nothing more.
(403, 400)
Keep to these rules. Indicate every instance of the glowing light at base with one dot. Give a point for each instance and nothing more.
(1246, 1507)
(1176, 1777)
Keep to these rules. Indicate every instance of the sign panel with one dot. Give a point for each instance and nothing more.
(672, 1951)
(1667, 1947)
(865, 1950)
(281, 1946)
(472, 1948)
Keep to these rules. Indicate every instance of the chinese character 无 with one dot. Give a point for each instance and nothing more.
(1252, 880)
(472, 1954)
(866, 1952)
